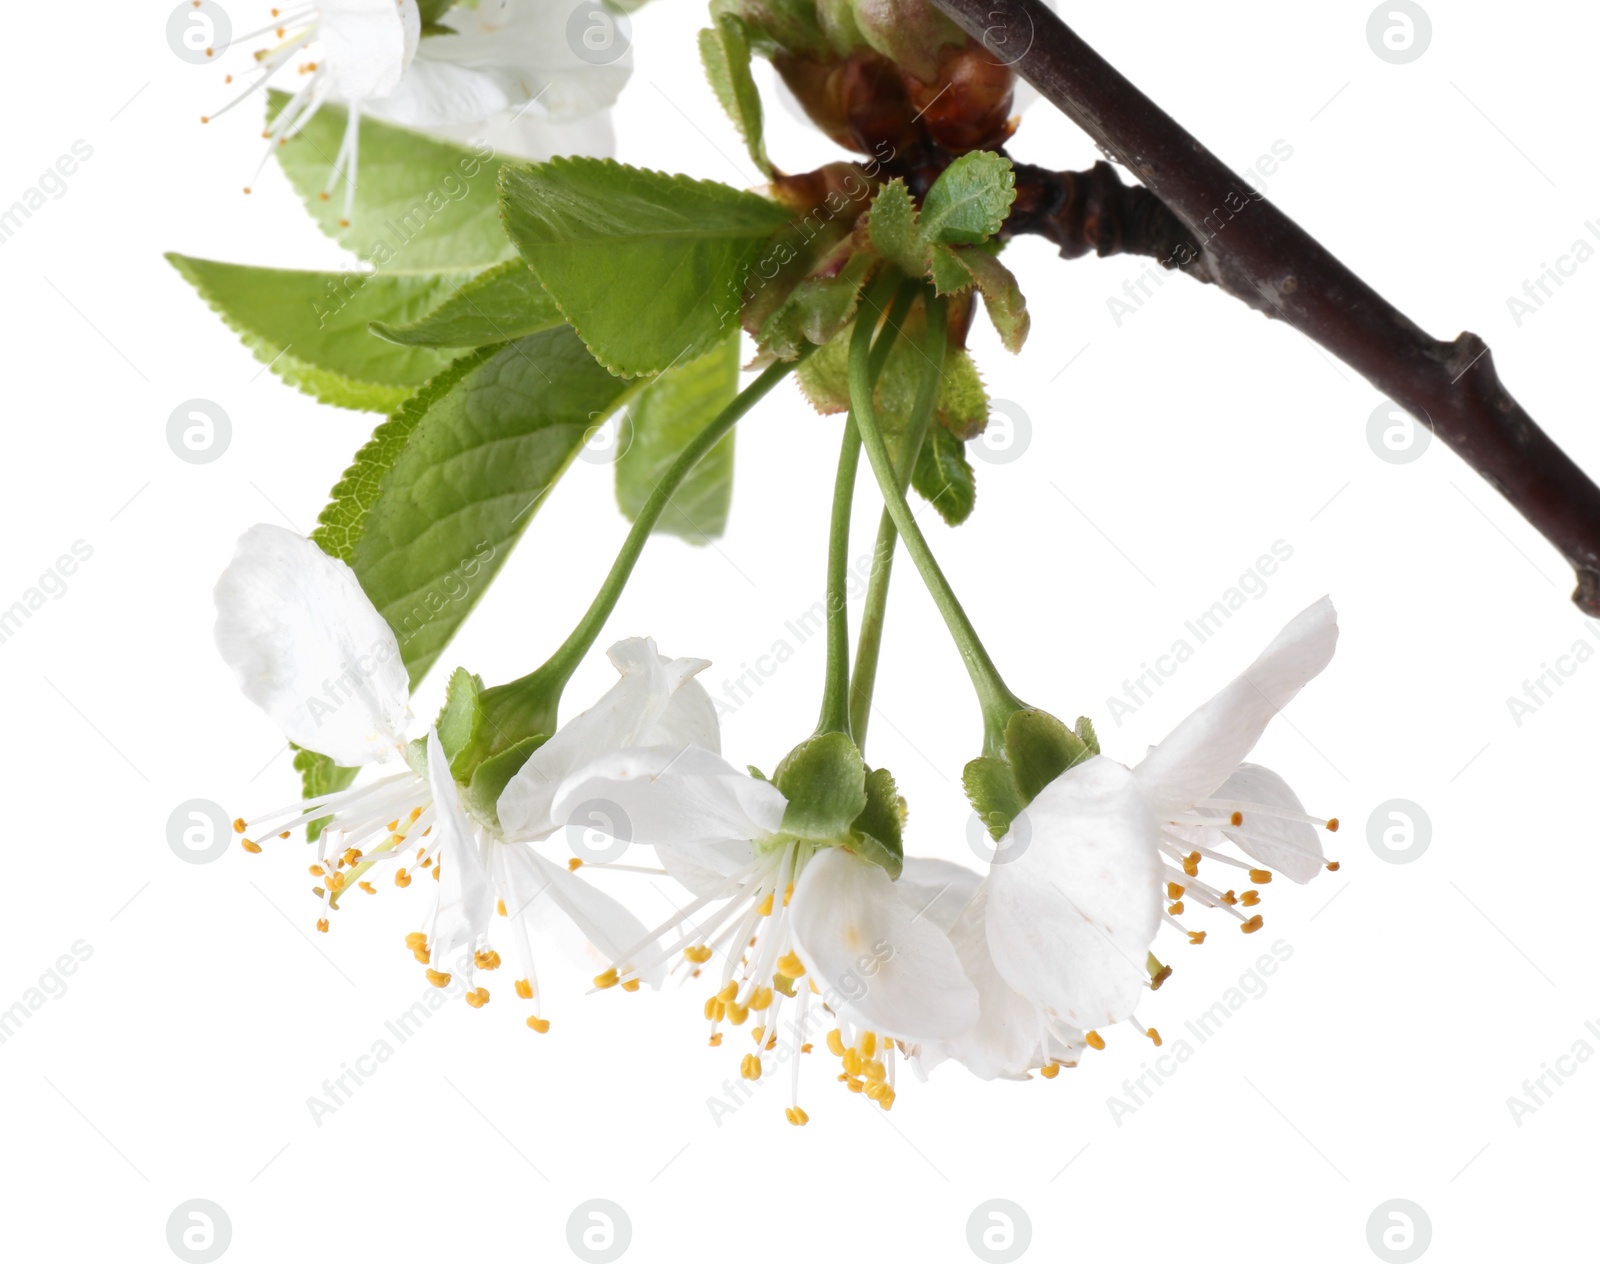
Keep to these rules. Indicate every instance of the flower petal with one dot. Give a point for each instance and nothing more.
(936, 889)
(310, 649)
(1293, 848)
(1201, 753)
(875, 962)
(614, 722)
(690, 718)
(1010, 1027)
(528, 879)
(465, 900)
(1071, 917)
(367, 44)
(678, 797)
(435, 94)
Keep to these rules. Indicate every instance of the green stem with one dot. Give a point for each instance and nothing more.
(527, 706)
(869, 641)
(835, 717)
(996, 700)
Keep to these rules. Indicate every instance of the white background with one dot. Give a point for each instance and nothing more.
(1172, 452)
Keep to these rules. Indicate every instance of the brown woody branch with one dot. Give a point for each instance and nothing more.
(1258, 254)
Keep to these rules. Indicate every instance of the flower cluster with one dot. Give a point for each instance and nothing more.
(804, 924)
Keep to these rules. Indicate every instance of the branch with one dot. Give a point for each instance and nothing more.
(1258, 254)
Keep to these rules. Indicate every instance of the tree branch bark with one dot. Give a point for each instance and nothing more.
(1258, 254)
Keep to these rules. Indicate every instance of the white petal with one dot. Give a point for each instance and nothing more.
(310, 649)
(1010, 1027)
(525, 42)
(433, 94)
(1071, 917)
(524, 133)
(465, 900)
(936, 889)
(528, 879)
(1293, 848)
(627, 708)
(367, 44)
(1201, 753)
(705, 869)
(875, 963)
(691, 717)
(679, 797)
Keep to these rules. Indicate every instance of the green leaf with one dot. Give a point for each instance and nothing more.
(1002, 297)
(825, 781)
(1084, 728)
(420, 203)
(824, 378)
(818, 308)
(963, 403)
(774, 24)
(725, 53)
(892, 224)
(992, 791)
(950, 275)
(670, 411)
(1040, 748)
(647, 267)
(497, 305)
(943, 476)
(432, 505)
(319, 775)
(970, 199)
(311, 327)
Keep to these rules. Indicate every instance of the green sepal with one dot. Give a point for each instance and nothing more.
(818, 308)
(963, 402)
(878, 830)
(777, 24)
(1086, 734)
(460, 711)
(319, 775)
(825, 780)
(490, 778)
(993, 793)
(508, 716)
(1039, 749)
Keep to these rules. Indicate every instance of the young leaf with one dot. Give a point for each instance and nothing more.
(1002, 297)
(503, 303)
(640, 263)
(670, 411)
(420, 203)
(311, 327)
(818, 308)
(970, 199)
(963, 403)
(725, 52)
(950, 275)
(432, 505)
(896, 236)
(943, 476)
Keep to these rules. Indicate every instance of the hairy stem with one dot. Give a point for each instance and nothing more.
(1259, 255)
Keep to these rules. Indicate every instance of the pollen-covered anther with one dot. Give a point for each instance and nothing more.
(478, 997)
(790, 966)
(1155, 1036)
(764, 909)
(716, 1040)
(1197, 937)
(1228, 897)
(836, 1043)
(402, 878)
(699, 955)
(1261, 876)
(796, 1116)
(608, 979)
(1333, 825)
(253, 848)
(486, 959)
(1175, 908)
(1094, 1040)
(1332, 866)
(575, 863)
(368, 887)
(761, 999)
(1050, 1070)
(1191, 864)
(1250, 898)
(630, 985)
(1252, 926)
(1174, 891)
(737, 1013)
(322, 925)
(239, 825)
(750, 1066)
(524, 989)
(540, 1025)
(438, 978)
